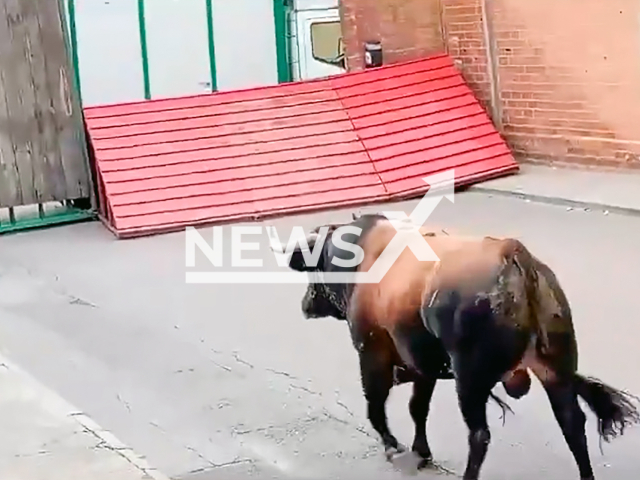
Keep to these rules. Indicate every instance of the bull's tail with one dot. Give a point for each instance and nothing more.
(504, 406)
(614, 408)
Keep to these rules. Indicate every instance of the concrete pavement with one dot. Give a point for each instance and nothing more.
(580, 188)
(207, 381)
(46, 438)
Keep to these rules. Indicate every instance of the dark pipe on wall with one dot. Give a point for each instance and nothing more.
(372, 54)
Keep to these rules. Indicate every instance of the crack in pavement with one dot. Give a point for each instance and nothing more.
(223, 367)
(31, 455)
(123, 402)
(292, 386)
(73, 300)
(280, 372)
(244, 370)
(305, 389)
(104, 445)
(358, 428)
(199, 455)
(345, 407)
(232, 463)
(296, 386)
(236, 357)
(45, 281)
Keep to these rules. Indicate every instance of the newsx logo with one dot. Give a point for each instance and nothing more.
(407, 236)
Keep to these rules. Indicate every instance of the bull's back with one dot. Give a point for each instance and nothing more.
(476, 291)
(397, 297)
(466, 263)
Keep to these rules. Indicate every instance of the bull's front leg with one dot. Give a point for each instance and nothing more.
(376, 370)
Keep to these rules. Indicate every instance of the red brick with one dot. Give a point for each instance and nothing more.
(568, 86)
(407, 29)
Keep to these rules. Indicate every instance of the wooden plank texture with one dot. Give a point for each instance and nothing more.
(42, 155)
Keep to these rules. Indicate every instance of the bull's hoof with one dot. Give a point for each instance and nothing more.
(446, 375)
(421, 449)
(410, 464)
(391, 452)
(424, 463)
(406, 462)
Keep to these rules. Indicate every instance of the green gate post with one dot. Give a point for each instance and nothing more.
(73, 38)
(212, 46)
(280, 17)
(142, 26)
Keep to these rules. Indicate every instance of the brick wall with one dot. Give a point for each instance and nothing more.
(570, 79)
(407, 28)
(568, 72)
(463, 33)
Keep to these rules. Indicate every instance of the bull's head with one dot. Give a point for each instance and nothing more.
(320, 299)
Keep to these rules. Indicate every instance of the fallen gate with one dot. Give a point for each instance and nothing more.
(341, 141)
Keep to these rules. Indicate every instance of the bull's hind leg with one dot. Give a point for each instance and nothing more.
(564, 403)
(376, 370)
(474, 384)
(482, 350)
(419, 409)
(571, 418)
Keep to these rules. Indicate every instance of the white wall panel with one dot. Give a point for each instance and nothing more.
(109, 51)
(244, 35)
(178, 47)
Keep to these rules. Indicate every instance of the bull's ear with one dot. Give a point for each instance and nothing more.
(297, 262)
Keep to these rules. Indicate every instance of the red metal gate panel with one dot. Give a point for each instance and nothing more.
(348, 140)
(418, 118)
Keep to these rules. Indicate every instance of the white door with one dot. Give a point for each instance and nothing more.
(319, 38)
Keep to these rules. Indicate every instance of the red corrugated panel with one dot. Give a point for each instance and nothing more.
(420, 118)
(352, 139)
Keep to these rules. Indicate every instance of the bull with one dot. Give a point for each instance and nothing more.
(487, 312)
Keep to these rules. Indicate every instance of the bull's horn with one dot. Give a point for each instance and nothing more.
(278, 246)
(311, 238)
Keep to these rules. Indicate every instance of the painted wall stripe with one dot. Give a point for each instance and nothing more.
(282, 39)
(144, 50)
(212, 46)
